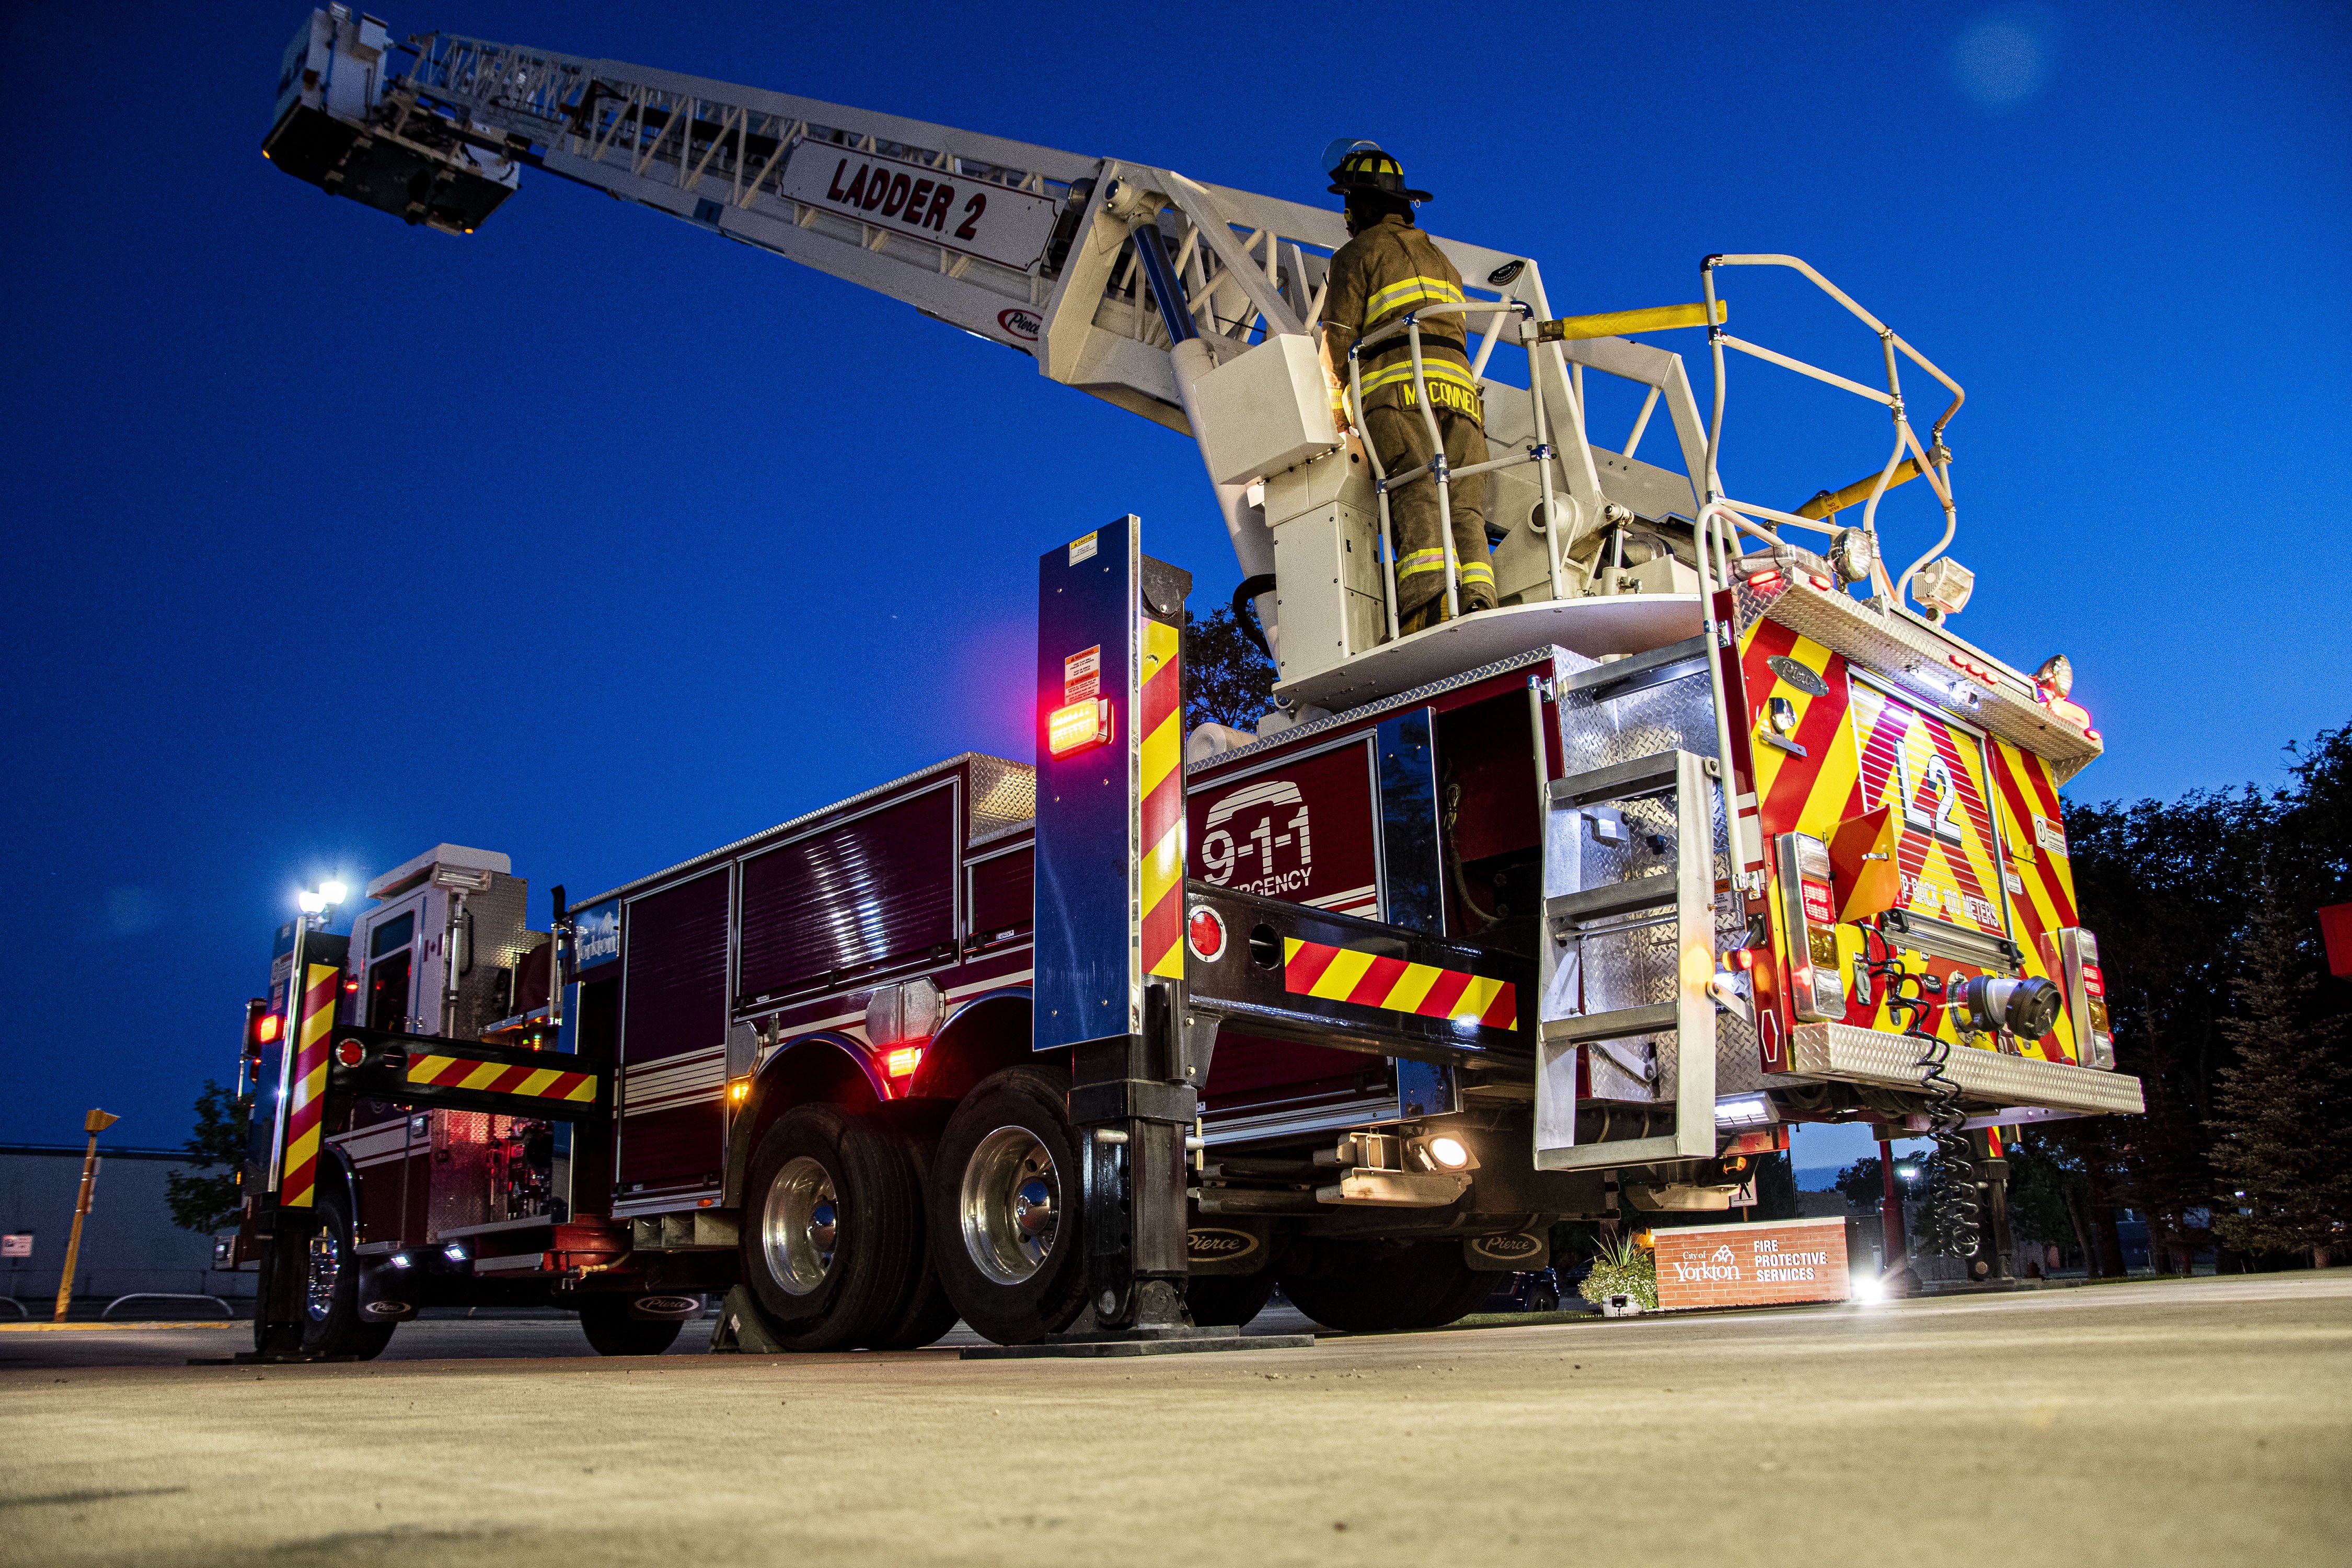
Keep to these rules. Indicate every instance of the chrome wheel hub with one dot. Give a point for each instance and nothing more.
(326, 1273)
(800, 1226)
(1010, 1205)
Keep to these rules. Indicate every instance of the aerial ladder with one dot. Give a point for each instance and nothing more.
(1632, 597)
(1128, 280)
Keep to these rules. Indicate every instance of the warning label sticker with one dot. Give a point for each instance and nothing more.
(1082, 673)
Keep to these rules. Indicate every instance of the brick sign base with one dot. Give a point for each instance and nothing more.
(1752, 1265)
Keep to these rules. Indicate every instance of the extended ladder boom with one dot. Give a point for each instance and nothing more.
(1124, 279)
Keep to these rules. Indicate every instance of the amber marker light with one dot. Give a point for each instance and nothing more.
(902, 1063)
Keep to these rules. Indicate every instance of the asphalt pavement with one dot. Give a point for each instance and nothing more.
(2195, 1421)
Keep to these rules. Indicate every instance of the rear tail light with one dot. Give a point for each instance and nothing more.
(1808, 909)
(2085, 995)
(902, 1063)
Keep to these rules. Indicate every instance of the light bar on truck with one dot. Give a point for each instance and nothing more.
(1077, 726)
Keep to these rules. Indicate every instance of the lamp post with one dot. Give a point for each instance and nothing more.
(96, 1122)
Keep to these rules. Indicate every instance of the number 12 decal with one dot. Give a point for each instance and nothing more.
(1944, 821)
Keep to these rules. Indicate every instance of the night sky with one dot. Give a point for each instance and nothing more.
(594, 540)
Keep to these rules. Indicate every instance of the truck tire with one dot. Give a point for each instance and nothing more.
(831, 1237)
(1217, 1300)
(927, 1314)
(1005, 1207)
(611, 1331)
(1380, 1288)
(333, 1323)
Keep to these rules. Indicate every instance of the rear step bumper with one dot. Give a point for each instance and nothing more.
(1841, 1053)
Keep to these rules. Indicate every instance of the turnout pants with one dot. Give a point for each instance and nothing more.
(1400, 437)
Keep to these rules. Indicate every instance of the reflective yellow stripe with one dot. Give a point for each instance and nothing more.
(1432, 368)
(1412, 291)
(1421, 560)
(1477, 571)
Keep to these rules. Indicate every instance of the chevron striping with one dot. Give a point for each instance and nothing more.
(1334, 973)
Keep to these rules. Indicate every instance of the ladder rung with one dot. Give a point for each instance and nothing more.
(1614, 1025)
(1649, 892)
(1619, 781)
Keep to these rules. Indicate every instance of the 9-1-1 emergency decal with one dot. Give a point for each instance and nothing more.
(975, 218)
(1932, 775)
(1302, 832)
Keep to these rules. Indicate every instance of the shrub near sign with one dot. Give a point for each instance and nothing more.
(1752, 1265)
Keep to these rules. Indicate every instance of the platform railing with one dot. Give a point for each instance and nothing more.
(1436, 470)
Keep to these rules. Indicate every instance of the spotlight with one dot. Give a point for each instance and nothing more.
(1852, 554)
(1450, 1153)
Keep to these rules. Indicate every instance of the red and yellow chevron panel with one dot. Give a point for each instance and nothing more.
(1963, 809)
(1931, 774)
(1343, 974)
(1160, 723)
(2040, 880)
(453, 1071)
(306, 1102)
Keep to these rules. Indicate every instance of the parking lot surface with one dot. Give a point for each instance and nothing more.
(2172, 1422)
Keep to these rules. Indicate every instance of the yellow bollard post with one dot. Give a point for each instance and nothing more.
(96, 1122)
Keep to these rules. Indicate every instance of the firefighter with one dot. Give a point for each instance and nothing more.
(1389, 268)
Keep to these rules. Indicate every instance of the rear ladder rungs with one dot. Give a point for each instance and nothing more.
(1611, 1026)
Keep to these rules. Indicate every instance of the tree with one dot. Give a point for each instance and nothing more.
(2284, 1154)
(1227, 681)
(2164, 884)
(1864, 1182)
(2048, 1197)
(211, 1203)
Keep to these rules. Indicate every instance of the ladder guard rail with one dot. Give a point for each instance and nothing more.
(227, 1310)
(1932, 461)
(1541, 453)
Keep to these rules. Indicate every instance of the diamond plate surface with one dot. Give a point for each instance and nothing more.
(1842, 1053)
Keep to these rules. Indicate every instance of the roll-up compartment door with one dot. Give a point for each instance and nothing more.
(852, 905)
(673, 1039)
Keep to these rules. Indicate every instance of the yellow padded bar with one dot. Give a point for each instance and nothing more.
(1855, 494)
(1617, 323)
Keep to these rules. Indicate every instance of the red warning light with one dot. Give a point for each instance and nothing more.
(350, 1052)
(1077, 726)
(1206, 933)
(266, 1028)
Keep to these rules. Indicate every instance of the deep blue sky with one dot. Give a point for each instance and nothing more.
(597, 540)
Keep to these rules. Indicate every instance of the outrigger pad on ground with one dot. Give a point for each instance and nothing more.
(1142, 1341)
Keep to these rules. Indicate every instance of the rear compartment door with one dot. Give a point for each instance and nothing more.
(673, 1079)
(1932, 772)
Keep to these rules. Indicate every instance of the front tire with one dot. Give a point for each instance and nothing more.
(333, 1327)
(832, 1238)
(1005, 1207)
(1382, 1288)
(611, 1331)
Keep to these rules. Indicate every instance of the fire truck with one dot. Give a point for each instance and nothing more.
(1569, 909)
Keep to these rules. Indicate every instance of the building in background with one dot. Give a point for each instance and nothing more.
(129, 1243)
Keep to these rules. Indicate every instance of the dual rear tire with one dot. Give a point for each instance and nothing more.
(832, 1241)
